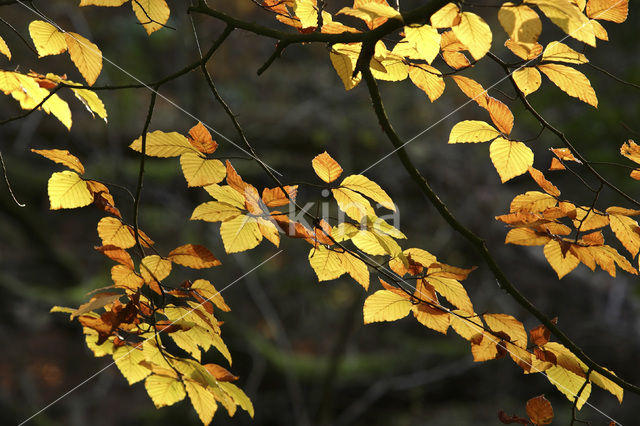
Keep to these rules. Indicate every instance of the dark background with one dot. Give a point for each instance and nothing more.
(299, 347)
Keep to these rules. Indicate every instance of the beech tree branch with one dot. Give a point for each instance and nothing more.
(477, 242)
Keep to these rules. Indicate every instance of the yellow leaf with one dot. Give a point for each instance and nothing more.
(214, 211)
(128, 361)
(375, 243)
(47, 38)
(307, 12)
(453, 291)
(528, 79)
(113, 232)
(152, 14)
(526, 237)
(240, 233)
(155, 268)
(508, 325)
(466, 325)
(164, 391)
(62, 156)
(385, 305)
(238, 396)
(326, 167)
(428, 79)
(472, 131)
(368, 188)
(356, 268)
(446, 17)
(209, 292)
(568, 17)
(607, 384)
(599, 30)
(417, 255)
(202, 400)
(527, 51)
(85, 55)
(426, 41)
(388, 66)
(521, 23)
(91, 101)
(352, 203)
(125, 277)
(520, 356)
(269, 230)
(486, 349)
(199, 171)
(627, 232)
(369, 12)
(343, 58)
(571, 81)
(431, 317)
(161, 144)
(631, 150)
(474, 33)
(4, 48)
(67, 190)
(562, 263)
(569, 383)
(560, 52)
(510, 158)
(226, 194)
(608, 10)
(327, 264)
(500, 114)
(533, 201)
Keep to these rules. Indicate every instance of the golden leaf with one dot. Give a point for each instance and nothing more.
(446, 17)
(486, 349)
(152, 14)
(560, 52)
(47, 38)
(560, 260)
(307, 12)
(240, 233)
(128, 360)
(570, 81)
(569, 383)
(154, 268)
(343, 58)
(385, 305)
(467, 326)
(631, 150)
(164, 391)
(67, 190)
(526, 237)
(368, 188)
(326, 167)
(431, 317)
(510, 158)
(85, 55)
(125, 277)
(474, 33)
(608, 10)
(453, 291)
(502, 323)
(472, 131)
(199, 171)
(352, 203)
(202, 400)
(214, 211)
(4, 48)
(162, 144)
(193, 256)
(568, 17)
(108, 3)
(426, 41)
(62, 156)
(521, 23)
(209, 293)
(356, 268)
(113, 232)
(532, 201)
(428, 79)
(327, 264)
(627, 231)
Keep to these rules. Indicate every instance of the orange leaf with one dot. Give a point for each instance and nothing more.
(275, 197)
(540, 335)
(220, 373)
(61, 156)
(539, 410)
(116, 254)
(193, 256)
(556, 165)
(543, 183)
(201, 139)
(326, 167)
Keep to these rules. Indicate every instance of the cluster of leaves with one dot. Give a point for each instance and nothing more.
(129, 318)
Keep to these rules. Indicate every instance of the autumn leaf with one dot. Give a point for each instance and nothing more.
(193, 256)
(201, 139)
(202, 401)
(562, 261)
(128, 359)
(385, 305)
(510, 158)
(627, 231)
(85, 55)
(62, 156)
(368, 188)
(446, 17)
(527, 79)
(113, 232)
(67, 190)
(428, 79)
(474, 33)
(508, 325)
(326, 263)
(164, 391)
(152, 14)
(47, 38)
(570, 81)
(425, 39)
(472, 131)
(608, 10)
(326, 167)
(539, 410)
(568, 17)
(560, 52)
(4, 49)
(199, 171)
(240, 233)
(521, 23)
(343, 58)
(162, 144)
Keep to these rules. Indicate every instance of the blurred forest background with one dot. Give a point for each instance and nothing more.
(299, 347)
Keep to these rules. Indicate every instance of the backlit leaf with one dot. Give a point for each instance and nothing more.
(569, 383)
(67, 190)
(199, 171)
(474, 33)
(428, 79)
(202, 400)
(4, 48)
(608, 10)
(368, 188)
(631, 150)
(205, 289)
(567, 16)
(356, 268)
(193, 256)
(125, 277)
(128, 360)
(521, 23)
(152, 14)
(571, 81)
(240, 233)
(539, 410)
(85, 55)
(47, 38)
(560, 260)
(352, 203)
(214, 211)
(327, 264)
(426, 41)
(433, 318)
(510, 158)
(164, 391)
(465, 324)
(472, 131)
(343, 58)
(627, 231)
(446, 17)
(526, 237)
(162, 144)
(113, 232)
(508, 325)
(155, 268)
(62, 156)
(453, 291)
(528, 79)
(560, 52)
(326, 167)
(385, 305)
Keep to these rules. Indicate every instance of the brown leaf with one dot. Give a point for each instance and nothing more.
(201, 139)
(507, 419)
(539, 410)
(540, 335)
